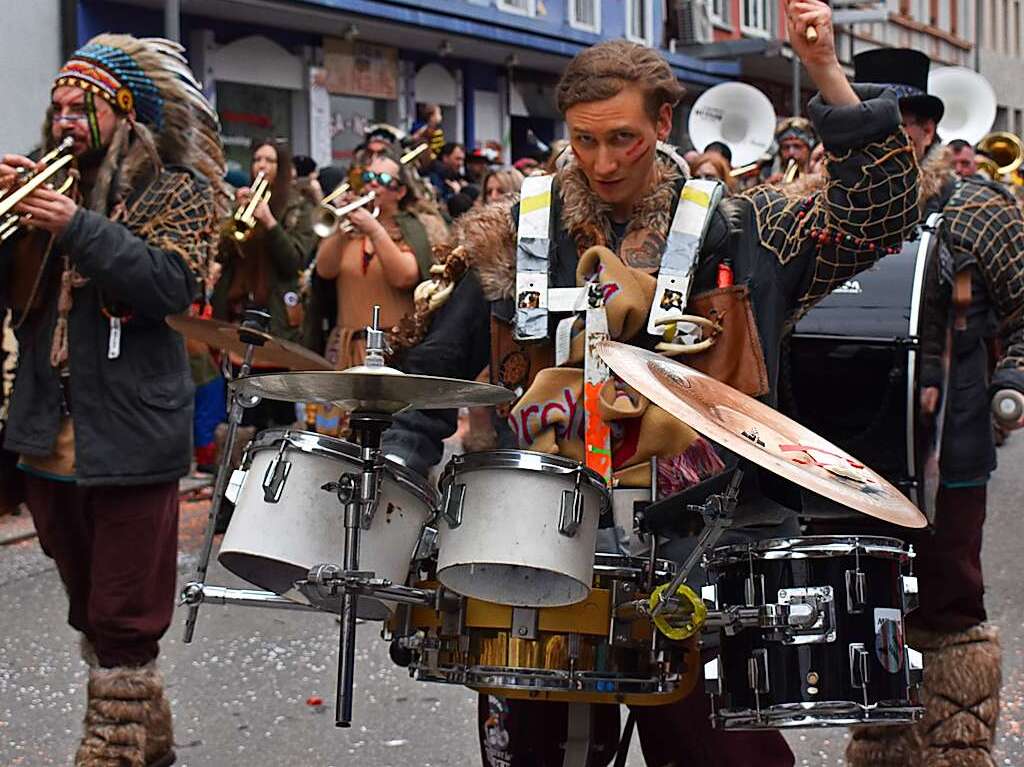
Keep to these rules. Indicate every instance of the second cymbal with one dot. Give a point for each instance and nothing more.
(225, 337)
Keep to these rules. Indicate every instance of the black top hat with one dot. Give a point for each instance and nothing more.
(906, 72)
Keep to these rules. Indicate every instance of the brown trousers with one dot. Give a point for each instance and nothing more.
(116, 550)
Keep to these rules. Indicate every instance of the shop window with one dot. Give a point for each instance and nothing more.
(756, 17)
(718, 10)
(250, 112)
(522, 7)
(350, 116)
(638, 20)
(585, 15)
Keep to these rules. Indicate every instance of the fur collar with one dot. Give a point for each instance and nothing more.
(488, 234)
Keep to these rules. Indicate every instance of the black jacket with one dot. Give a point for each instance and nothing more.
(132, 415)
(774, 244)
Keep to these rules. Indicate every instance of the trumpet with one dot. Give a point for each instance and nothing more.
(793, 168)
(55, 161)
(243, 222)
(328, 220)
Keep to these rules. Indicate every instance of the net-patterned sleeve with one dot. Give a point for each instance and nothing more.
(866, 208)
(986, 228)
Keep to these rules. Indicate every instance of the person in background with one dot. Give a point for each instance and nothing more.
(459, 204)
(478, 163)
(712, 165)
(427, 127)
(527, 166)
(962, 158)
(446, 172)
(796, 138)
(264, 270)
(722, 149)
(307, 180)
(500, 185)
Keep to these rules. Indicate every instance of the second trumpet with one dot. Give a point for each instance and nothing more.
(328, 220)
(243, 222)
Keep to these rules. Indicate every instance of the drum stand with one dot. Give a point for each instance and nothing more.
(192, 594)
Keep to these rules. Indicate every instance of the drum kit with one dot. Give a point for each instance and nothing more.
(491, 579)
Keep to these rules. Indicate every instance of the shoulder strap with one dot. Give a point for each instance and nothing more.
(533, 254)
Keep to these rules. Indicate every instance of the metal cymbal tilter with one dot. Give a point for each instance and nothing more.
(251, 334)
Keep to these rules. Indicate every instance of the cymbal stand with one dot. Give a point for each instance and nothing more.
(717, 512)
(259, 321)
(358, 493)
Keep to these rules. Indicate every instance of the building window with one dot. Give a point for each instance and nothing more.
(718, 10)
(585, 15)
(638, 20)
(755, 17)
(522, 7)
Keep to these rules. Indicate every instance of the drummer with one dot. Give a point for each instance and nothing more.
(616, 192)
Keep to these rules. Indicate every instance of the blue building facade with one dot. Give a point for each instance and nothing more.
(317, 72)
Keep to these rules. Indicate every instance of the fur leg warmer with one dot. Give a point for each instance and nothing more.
(962, 676)
(127, 721)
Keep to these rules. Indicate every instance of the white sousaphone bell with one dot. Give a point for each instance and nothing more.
(738, 115)
(969, 100)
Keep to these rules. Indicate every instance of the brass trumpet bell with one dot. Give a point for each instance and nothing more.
(1006, 153)
(328, 220)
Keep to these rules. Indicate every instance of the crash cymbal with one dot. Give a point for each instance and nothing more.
(759, 433)
(223, 336)
(377, 390)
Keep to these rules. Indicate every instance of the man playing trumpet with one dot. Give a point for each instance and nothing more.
(101, 414)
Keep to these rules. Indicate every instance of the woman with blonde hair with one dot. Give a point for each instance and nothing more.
(499, 186)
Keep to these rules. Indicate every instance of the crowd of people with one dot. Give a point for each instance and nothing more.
(100, 423)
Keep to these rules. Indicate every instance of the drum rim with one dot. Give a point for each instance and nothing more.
(820, 546)
(331, 447)
(508, 458)
(815, 714)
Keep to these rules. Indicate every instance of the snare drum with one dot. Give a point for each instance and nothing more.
(285, 522)
(851, 666)
(518, 528)
(583, 653)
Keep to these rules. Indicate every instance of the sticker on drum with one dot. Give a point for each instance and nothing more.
(889, 640)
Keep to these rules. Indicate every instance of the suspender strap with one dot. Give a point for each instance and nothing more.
(595, 374)
(697, 202)
(533, 246)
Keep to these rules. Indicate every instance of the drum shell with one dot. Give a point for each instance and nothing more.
(810, 684)
(508, 548)
(274, 544)
(577, 653)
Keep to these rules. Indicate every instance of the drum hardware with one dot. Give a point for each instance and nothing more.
(276, 475)
(1008, 406)
(570, 515)
(251, 334)
(194, 594)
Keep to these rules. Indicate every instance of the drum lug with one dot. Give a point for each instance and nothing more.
(235, 483)
(524, 622)
(276, 477)
(621, 634)
(570, 516)
(452, 505)
(911, 600)
(713, 677)
(753, 590)
(709, 593)
(757, 671)
(806, 615)
(426, 546)
(915, 666)
(859, 667)
(856, 591)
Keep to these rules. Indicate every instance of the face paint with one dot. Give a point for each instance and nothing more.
(94, 124)
(638, 148)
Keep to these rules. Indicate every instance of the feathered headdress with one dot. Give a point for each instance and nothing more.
(148, 81)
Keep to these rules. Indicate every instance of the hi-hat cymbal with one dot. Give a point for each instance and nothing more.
(377, 390)
(759, 433)
(223, 336)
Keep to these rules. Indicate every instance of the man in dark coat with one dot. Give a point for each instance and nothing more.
(101, 413)
(984, 231)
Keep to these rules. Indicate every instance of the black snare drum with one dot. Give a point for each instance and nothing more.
(849, 665)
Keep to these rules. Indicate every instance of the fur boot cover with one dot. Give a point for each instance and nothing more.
(127, 721)
(962, 676)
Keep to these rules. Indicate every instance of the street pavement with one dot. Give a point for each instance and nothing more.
(256, 687)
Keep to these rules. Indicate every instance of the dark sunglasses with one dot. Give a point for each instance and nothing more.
(384, 179)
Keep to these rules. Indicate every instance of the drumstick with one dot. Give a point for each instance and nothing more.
(811, 33)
